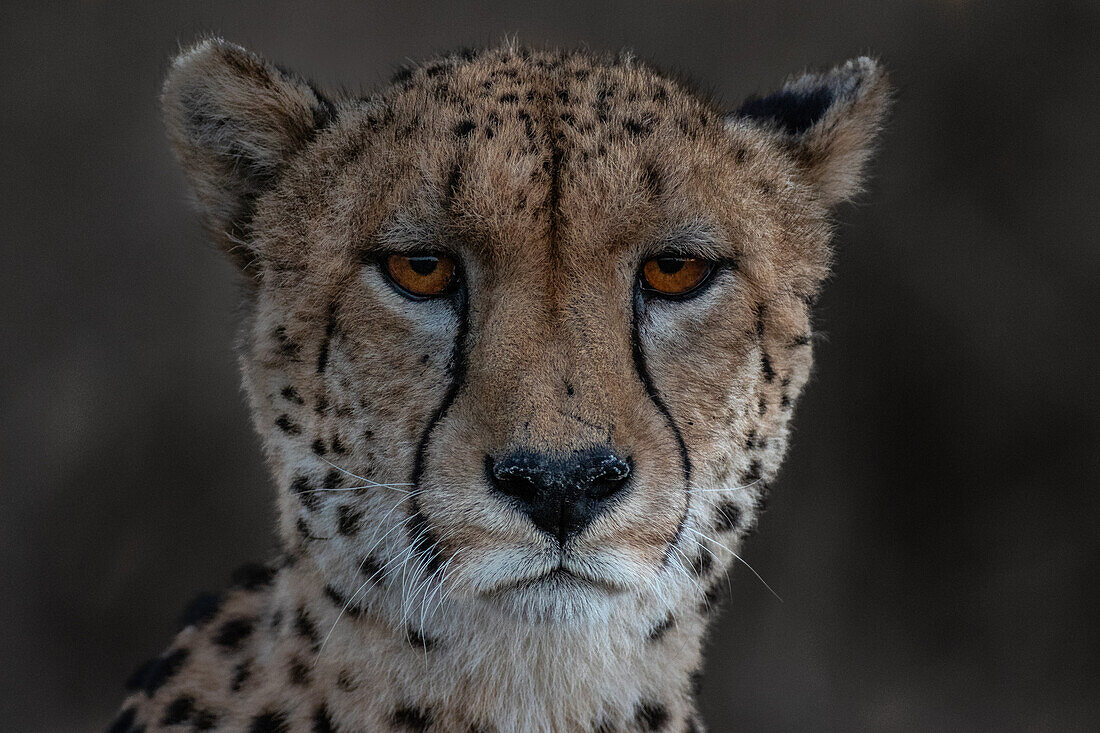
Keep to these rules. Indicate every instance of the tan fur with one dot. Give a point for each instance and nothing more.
(550, 177)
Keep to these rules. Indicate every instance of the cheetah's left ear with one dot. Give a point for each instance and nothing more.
(829, 121)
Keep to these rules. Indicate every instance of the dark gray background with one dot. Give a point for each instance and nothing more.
(934, 532)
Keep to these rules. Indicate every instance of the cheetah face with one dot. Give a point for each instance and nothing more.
(526, 329)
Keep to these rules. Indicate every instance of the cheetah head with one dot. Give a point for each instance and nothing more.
(525, 330)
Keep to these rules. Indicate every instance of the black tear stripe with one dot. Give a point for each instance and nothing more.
(420, 534)
(655, 396)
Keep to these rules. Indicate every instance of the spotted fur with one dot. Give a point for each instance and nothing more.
(410, 596)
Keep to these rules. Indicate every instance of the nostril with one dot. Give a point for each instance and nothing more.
(510, 478)
(608, 478)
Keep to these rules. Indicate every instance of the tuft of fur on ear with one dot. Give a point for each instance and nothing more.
(829, 121)
(234, 120)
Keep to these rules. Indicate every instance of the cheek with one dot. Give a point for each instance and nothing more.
(354, 382)
(702, 362)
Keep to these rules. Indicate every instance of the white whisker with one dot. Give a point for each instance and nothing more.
(743, 561)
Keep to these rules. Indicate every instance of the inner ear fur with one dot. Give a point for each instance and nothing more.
(829, 120)
(234, 120)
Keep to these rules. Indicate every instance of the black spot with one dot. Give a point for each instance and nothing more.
(371, 569)
(569, 390)
(319, 447)
(794, 112)
(697, 682)
(764, 187)
(509, 98)
(305, 492)
(703, 563)
(322, 404)
(330, 329)
(753, 474)
(766, 367)
(291, 395)
(636, 128)
(741, 155)
(712, 599)
(464, 128)
(178, 711)
(424, 544)
(568, 118)
(305, 628)
(342, 603)
(410, 718)
(762, 407)
(284, 423)
(750, 439)
(201, 609)
(287, 348)
(436, 69)
(651, 715)
(322, 721)
(233, 632)
(658, 631)
(124, 722)
(338, 447)
(333, 479)
(204, 720)
(161, 670)
(252, 576)
(269, 723)
(346, 682)
(419, 640)
(347, 520)
(802, 340)
(727, 516)
(241, 674)
(298, 672)
(785, 401)
(402, 75)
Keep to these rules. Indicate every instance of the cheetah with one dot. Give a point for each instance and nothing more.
(523, 335)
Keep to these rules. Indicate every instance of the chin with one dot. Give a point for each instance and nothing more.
(558, 597)
(538, 588)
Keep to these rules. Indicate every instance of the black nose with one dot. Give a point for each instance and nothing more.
(561, 492)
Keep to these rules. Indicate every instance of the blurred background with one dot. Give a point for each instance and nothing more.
(934, 534)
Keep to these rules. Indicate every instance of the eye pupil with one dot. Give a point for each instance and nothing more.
(423, 265)
(670, 265)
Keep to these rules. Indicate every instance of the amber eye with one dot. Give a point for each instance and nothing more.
(670, 275)
(421, 276)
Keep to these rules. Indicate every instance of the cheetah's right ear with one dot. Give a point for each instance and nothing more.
(234, 120)
(828, 120)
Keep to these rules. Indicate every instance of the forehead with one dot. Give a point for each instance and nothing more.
(517, 148)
